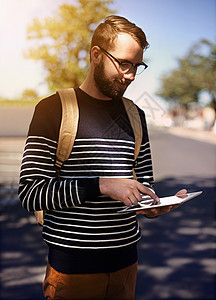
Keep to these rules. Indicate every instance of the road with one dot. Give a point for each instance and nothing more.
(177, 250)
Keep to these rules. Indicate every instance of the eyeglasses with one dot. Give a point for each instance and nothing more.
(126, 66)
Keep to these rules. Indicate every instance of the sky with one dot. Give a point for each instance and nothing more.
(171, 27)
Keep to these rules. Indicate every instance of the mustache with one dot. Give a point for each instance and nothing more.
(124, 82)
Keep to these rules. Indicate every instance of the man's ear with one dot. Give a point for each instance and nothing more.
(96, 54)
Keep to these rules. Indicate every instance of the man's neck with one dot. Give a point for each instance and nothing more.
(90, 88)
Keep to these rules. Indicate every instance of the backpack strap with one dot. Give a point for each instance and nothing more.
(136, 125)
(67, 134)
(68, 128)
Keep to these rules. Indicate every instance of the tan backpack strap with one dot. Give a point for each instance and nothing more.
(69, 125)
(39, 215)
(136, 125)
(67, 134)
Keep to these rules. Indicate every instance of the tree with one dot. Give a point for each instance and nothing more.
(29, 95)
(196, 73)
(63, 41)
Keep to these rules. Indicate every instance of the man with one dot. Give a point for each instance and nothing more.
(92, 247)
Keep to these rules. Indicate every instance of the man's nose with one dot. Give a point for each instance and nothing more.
(130, 75)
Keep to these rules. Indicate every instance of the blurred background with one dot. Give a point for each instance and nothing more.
(44, 47)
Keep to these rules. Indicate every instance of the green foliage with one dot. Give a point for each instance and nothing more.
(29, 98)
(196, 72)
(63, 41)
(18, 102)
(29, 95)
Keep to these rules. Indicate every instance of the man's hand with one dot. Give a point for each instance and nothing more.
(127, 191)
(155, 212)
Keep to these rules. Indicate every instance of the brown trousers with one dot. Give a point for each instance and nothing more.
(118, 285)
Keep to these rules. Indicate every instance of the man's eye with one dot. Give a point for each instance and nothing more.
(125, 66)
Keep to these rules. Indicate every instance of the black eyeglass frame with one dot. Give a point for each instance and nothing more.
(128, 62)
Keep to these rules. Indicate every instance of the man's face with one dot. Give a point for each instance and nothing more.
(110, 86)
(108, 79)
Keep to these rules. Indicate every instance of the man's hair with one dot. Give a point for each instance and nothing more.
(106, 32)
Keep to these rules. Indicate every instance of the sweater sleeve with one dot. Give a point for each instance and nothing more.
(144, 169)
(39, 189)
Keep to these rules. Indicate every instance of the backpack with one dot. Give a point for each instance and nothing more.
(68, 131)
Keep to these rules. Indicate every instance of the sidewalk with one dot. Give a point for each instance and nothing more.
(201, 135)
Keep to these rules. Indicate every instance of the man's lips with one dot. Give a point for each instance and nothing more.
(123, 84)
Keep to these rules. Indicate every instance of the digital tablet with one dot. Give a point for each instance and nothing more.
(148, 202)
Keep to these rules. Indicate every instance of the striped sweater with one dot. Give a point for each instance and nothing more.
(80, 222)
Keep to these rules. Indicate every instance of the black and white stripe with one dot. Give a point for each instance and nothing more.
(70, 221)
(77, 216)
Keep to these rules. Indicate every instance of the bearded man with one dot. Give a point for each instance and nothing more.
(92, 246)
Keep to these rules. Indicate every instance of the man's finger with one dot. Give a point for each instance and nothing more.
(182, 193)
(144, 190)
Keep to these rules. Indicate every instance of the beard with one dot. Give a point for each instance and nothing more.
(110, 87)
